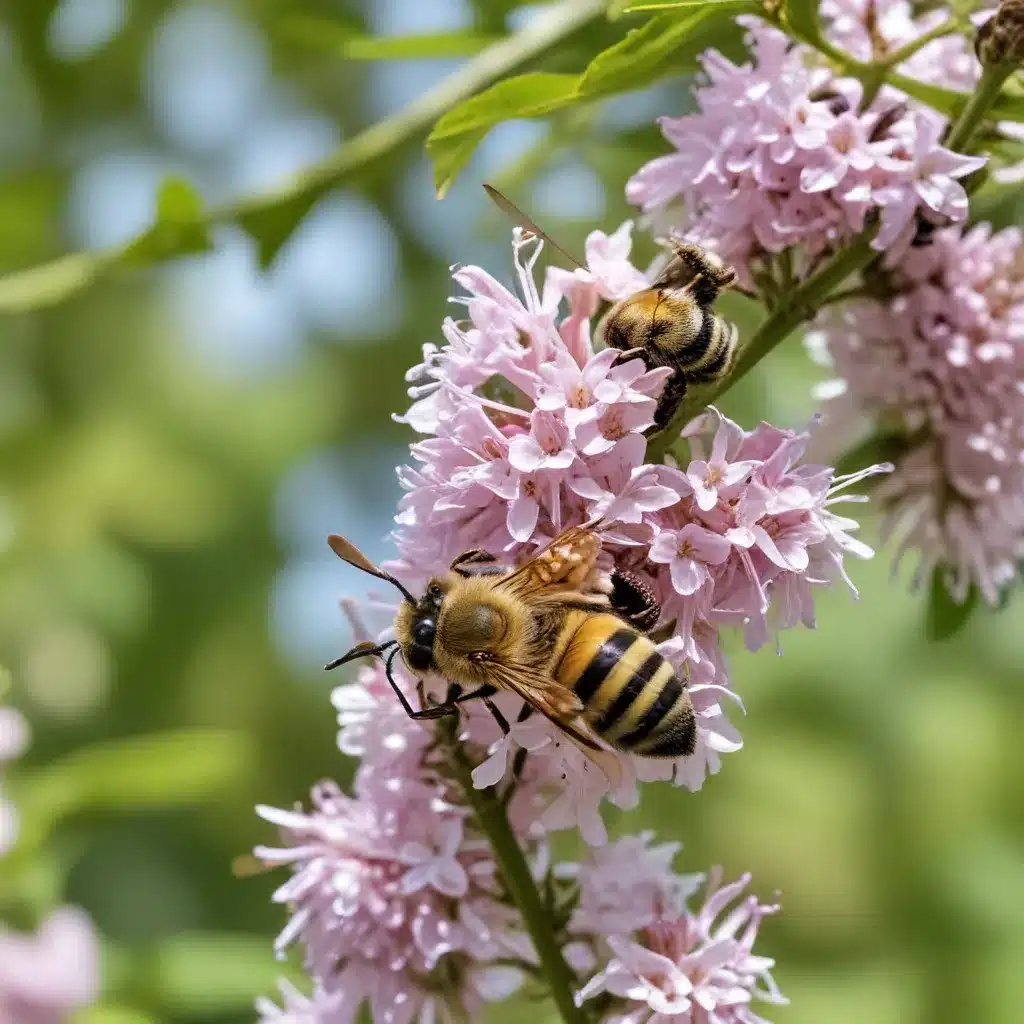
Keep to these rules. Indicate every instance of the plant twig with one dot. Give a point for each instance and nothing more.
(897, 57)
(490, 816)
(275, 212)
(971, 117)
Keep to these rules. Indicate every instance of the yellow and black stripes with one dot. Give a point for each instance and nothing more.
(718, 337)
(630, 693)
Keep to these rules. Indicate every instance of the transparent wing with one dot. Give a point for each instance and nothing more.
(550, 698)
(568, 563)
(561, 707)
(508, 207)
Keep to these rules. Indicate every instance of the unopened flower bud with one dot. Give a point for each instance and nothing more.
(1001, 39)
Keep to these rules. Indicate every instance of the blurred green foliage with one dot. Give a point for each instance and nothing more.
(175, 443)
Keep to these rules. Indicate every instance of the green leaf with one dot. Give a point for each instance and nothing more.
(666, 44)
(945, 618)
(457, 134)
(271, 215)
(802, 16)
(180, 225)
(450, 158)
(348, 40)
(531, 95)
(945, 101)
(949, 102)
(177, 202)
(271, 224)
(440, 45)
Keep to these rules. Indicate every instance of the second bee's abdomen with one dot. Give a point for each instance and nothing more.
(630, 693)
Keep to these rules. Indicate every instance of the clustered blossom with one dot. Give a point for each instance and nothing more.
(940, 364)
(531, 431)
(781, 156)
(869, 30)
(395, 901)
(47, 975)
(659, 960)
(528, 430)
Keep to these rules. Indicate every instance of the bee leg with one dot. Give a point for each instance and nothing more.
(626, 354)
(675, 388)
(708, 275)
(634, 601)
(430, 712)
(475, 556)
(519, 762)
(450, 706)
(497, 715)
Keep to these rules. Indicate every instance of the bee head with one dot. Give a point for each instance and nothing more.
(417, 628)
(348, 552)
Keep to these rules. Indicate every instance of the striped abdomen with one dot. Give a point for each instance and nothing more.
(630, 693)
(711, 354)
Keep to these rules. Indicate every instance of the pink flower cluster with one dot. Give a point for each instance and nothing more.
(528, 431)
(531, 432)
(657, 959)
(941, 364)
(390, 892)
(48, 975)
(780, 156)
(868, 30)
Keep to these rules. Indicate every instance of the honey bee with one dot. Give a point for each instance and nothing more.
(568, 639)
(672, 323)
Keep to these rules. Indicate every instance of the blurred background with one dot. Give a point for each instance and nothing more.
(175, 444)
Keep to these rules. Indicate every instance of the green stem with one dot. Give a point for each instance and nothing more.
(803, 302)
(491, 818)
(380, 139)
(971, 117)
(897, 57)
(273, 214)
(855, 292)
(799, 305)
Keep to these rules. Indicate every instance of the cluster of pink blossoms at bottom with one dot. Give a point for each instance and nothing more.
(938, 365)
(397, 903)
(47, 975)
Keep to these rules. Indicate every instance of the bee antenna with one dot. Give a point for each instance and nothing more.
(348, 552)
(363, 650)
(401, 586)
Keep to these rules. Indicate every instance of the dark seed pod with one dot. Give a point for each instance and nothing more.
(1001, 39)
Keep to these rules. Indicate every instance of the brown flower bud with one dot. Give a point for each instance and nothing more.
(1001, 39)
